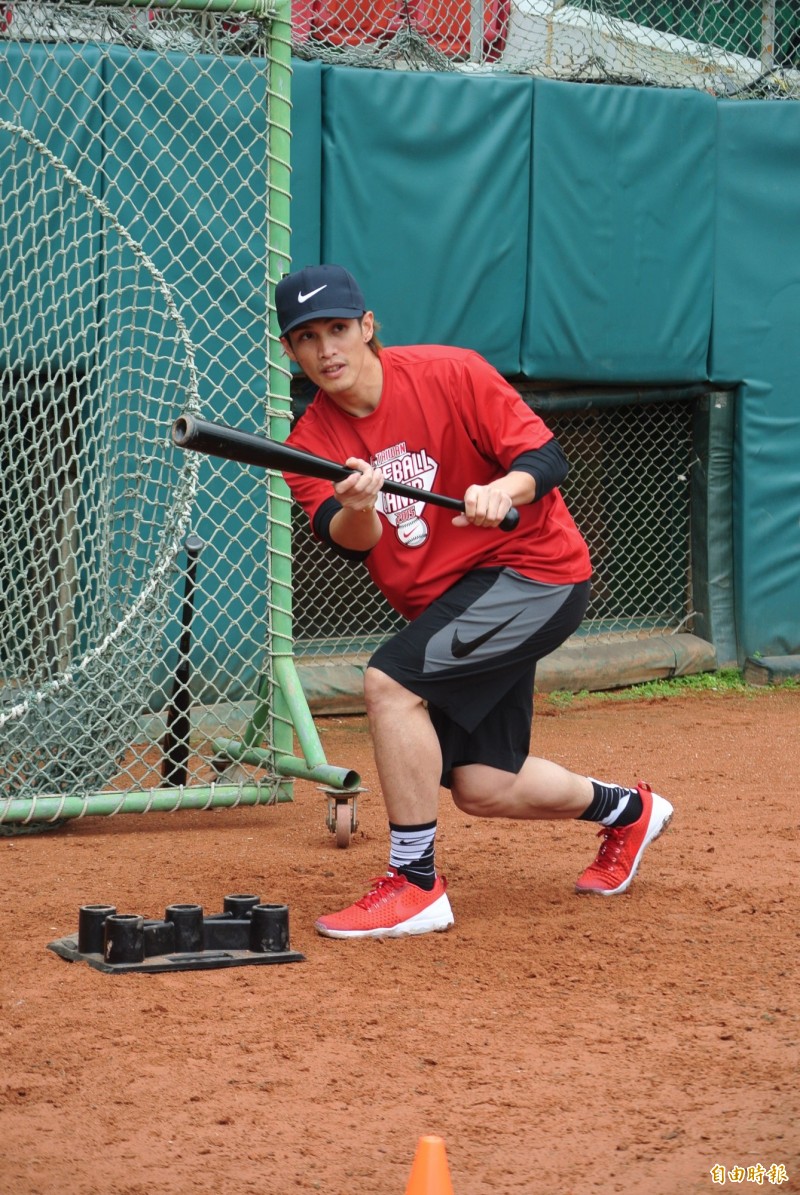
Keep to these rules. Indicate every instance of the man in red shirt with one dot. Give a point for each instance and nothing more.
(450, 697)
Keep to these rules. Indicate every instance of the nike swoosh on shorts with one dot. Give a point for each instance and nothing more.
(460, 649)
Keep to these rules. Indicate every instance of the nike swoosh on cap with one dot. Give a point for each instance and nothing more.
(301, 298)
(460, 649)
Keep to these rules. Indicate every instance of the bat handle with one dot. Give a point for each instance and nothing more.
(511, 520)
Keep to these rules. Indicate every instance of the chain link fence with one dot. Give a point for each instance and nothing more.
(736, 48)
(629, 490)
(145, 630)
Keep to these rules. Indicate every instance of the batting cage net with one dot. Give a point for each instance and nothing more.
(145, 619)
(737, 48)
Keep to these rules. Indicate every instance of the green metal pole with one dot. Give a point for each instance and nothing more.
(154, 800)
(279, 549)
(254, 8)
(345, 779)
(281, 706)
(313, 765)
(295, 699)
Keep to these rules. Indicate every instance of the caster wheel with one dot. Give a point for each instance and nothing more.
(342, 815)
(343, 823)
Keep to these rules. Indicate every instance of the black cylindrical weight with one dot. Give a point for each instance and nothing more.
(91, 919)
(269, 929)
(188, 922)
(240, 906)
(123, 938)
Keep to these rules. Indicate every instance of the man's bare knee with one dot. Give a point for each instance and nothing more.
(466, 800)
(478, 791)
(382, 693)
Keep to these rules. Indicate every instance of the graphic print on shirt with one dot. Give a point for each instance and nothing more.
(410, 468)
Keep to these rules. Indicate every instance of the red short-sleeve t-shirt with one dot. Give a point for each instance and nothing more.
(446, 420)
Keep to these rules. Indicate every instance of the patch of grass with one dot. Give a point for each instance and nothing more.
(727, 680)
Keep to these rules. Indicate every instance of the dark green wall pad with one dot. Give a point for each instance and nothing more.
(711, 528)
(621, 251)
(180, 224)
(755, 339)
(306, 160)
(426, 184)
(180, 227)
(70, 128)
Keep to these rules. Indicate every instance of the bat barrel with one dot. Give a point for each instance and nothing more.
(182, 431)
(247, 448)
(216, 439)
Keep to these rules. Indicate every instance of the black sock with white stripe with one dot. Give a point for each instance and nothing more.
(412, 853)
(613, 805)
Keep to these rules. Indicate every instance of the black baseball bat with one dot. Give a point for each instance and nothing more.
(216, 439)
(175, 748)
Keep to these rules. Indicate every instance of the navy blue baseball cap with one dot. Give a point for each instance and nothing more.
(317, 292)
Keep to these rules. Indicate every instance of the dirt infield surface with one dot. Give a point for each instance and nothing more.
(561, 1045)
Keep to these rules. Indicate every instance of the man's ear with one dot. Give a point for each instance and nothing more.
(368, 326)
(287, 348)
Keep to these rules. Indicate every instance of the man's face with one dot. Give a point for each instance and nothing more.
(332, 353)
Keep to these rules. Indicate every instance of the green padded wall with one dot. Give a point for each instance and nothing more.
(426, 192)
(70, 128)
(179, 226)
(755, 340)
(621, 249)
(306, 160)
(563, 230)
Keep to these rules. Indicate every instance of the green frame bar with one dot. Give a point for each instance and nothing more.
(24, 811)
(255, 8)
(279, 547)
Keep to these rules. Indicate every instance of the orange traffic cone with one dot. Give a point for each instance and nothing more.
(429, 1174)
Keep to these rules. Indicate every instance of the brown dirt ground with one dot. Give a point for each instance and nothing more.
(560, 1045)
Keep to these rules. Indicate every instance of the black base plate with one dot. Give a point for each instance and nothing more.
(202, 960)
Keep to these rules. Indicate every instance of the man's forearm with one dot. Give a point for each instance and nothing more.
(356, 530)
(520, 487)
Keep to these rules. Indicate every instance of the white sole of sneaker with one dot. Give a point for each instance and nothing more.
(660, 818)
(435, 919)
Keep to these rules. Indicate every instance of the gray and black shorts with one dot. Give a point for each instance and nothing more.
(472, 657)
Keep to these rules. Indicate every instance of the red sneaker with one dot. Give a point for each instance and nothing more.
(392, 908)
(622, 847)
